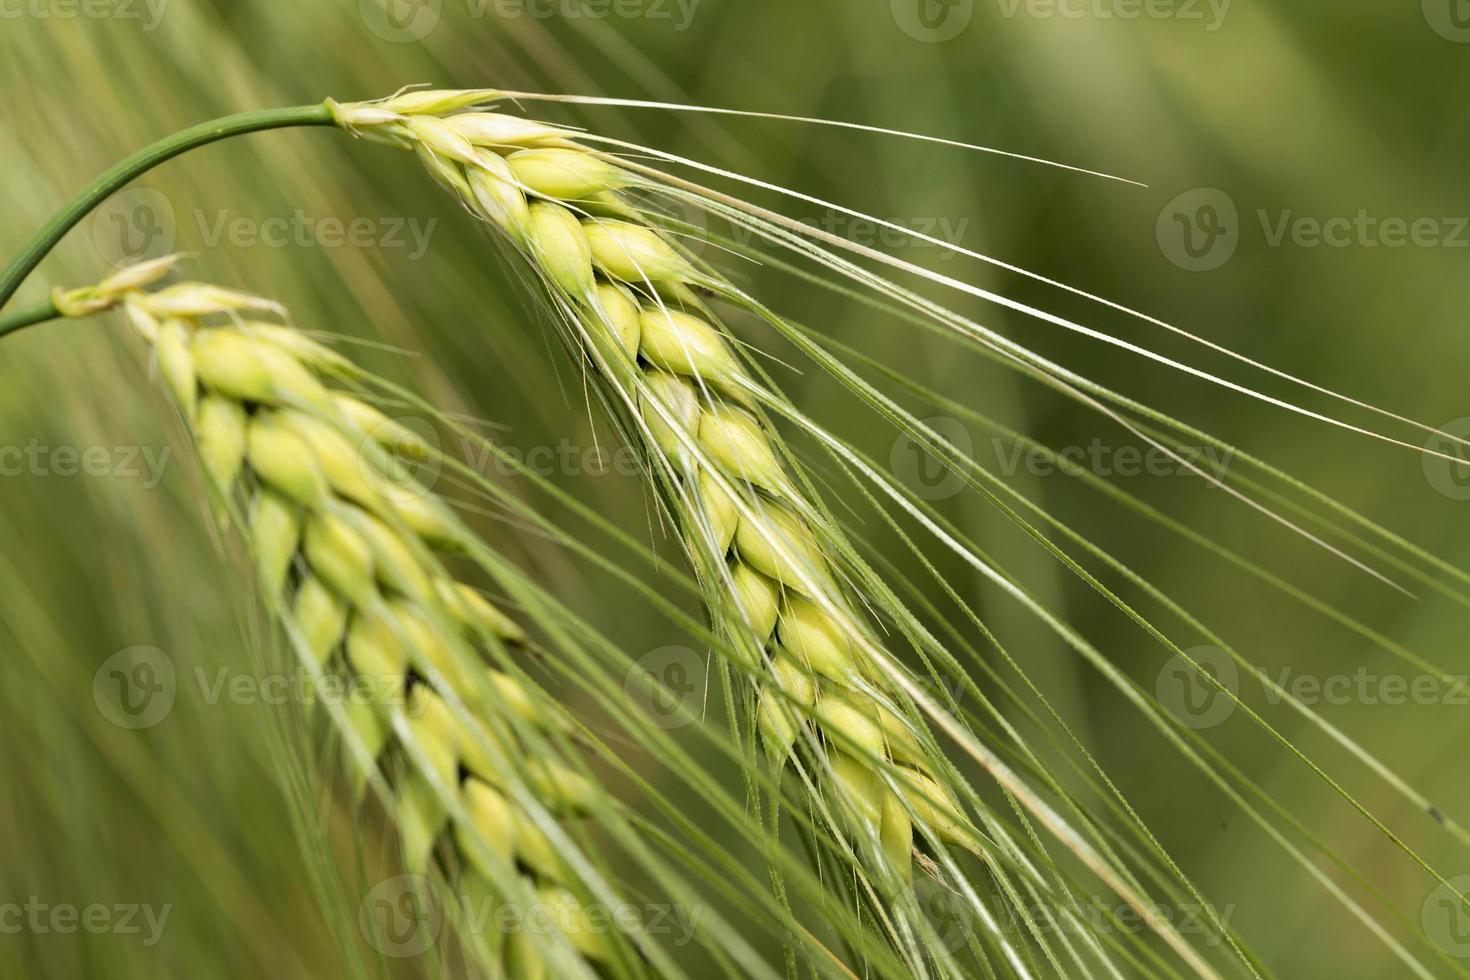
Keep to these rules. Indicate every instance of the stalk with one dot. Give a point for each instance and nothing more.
(28, 316)
(131, 167)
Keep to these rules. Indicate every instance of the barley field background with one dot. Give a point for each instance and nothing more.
(1305, 206)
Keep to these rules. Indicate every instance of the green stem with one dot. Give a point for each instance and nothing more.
(126, 170)
(28, 315)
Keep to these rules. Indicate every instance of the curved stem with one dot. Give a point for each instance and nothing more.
(138, 163)
(27, 316)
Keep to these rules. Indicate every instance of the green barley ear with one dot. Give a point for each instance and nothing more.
(759, 542)
(356, 585)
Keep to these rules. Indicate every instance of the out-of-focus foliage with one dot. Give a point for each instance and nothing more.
(1283, 149)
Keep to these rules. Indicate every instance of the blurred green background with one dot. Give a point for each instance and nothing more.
(1283, 147)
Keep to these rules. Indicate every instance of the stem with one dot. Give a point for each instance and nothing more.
(27, 316)
(126, 170)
